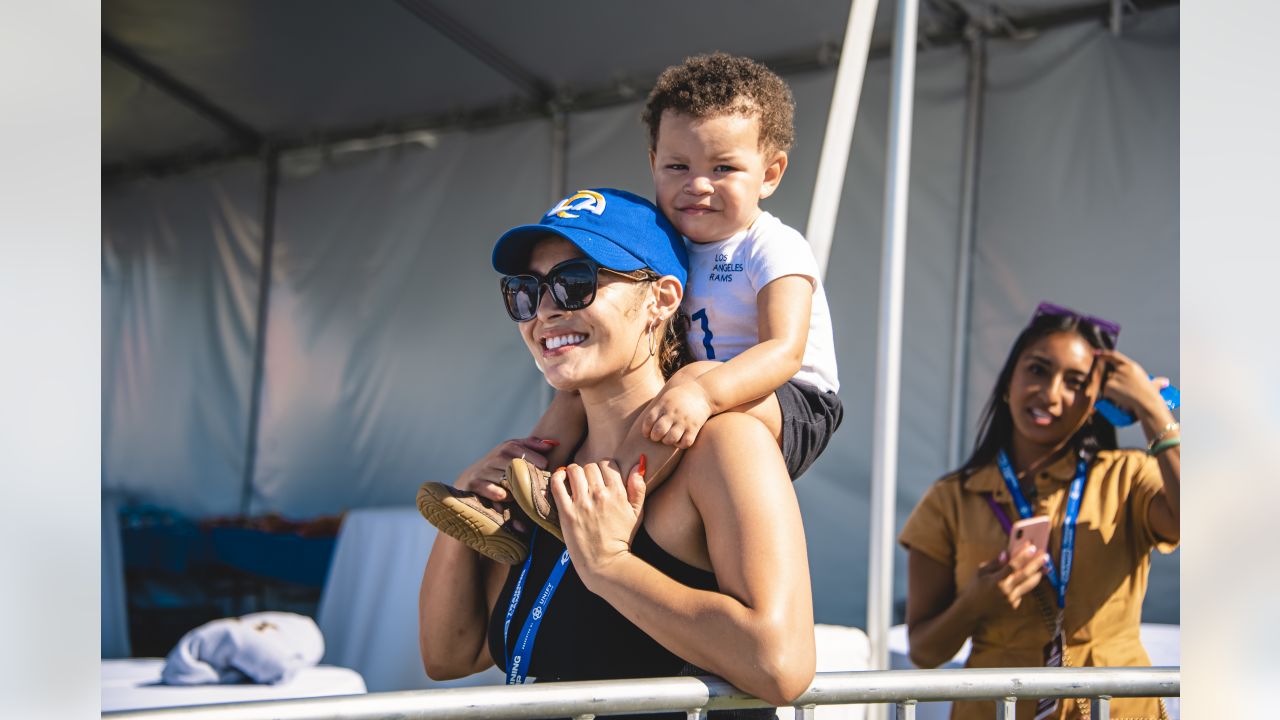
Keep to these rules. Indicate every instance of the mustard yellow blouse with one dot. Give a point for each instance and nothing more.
(954, 525)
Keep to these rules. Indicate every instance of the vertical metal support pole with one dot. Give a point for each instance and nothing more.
(1100, 707)
(1117, 17)
(884, 447)
(834, 158)
(1007, 709)
(906, 710)
(272, 160)
(559, 188)
(805, 712)
(696, 714)
(963, 301)
(559, 155)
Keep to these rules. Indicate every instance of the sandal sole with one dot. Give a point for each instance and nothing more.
(473, 529)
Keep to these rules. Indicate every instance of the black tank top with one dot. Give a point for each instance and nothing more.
(582, 637)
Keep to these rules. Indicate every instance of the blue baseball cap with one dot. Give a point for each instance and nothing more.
(617, 229)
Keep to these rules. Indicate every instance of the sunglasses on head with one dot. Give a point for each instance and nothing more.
(572, 284)
(1110, 331)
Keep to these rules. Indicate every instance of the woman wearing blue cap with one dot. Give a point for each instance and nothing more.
(709, 574)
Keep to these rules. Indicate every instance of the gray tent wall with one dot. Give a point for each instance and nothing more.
(388, 360)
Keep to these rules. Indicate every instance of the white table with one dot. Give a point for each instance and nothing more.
(369, 608)
(134, 684)
(1161, 641)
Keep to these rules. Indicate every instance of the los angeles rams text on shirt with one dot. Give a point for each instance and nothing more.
(723, 269)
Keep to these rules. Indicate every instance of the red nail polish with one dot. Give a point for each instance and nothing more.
(559, 469)
(552, 443)
(643, 464)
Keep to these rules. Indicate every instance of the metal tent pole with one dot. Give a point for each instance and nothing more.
(964, 251)
(272, 161)
(839, 135)
(559, 188)
(884, 450)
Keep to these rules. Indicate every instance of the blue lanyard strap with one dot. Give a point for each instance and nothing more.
(518, 660)
(1074, 496)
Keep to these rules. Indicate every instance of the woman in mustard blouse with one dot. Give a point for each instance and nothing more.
(1040, 443)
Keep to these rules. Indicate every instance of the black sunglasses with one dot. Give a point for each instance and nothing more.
(1109, 330)
(572, 284)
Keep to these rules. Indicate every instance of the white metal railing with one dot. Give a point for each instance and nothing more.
(695, 696)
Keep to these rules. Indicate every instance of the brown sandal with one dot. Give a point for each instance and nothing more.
(473, 521)
(531, 489)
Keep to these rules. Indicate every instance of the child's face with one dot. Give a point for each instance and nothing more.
(710, 173)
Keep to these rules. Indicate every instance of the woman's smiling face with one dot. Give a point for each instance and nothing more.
(1053, 389)
(575, 348)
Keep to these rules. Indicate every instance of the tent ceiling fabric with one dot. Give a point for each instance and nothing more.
(305, 70)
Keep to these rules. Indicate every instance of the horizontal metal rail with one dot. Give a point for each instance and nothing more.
(696, 695)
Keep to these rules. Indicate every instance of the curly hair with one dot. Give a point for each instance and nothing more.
(707, 86)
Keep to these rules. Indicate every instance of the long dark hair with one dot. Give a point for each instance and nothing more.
(674, 352)
(995, 430)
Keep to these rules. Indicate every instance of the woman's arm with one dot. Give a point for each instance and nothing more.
(757, 631)
(1130, 388)
(939, 620)
(460, 586)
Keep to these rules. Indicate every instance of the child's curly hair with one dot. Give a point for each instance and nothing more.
(706, 86)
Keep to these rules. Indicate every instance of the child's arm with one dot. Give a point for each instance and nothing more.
(562, 425)
(783, 308)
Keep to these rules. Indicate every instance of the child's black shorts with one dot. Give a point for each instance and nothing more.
(809, 418)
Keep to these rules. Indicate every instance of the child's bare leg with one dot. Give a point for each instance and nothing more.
(659, 457)
(563, 423)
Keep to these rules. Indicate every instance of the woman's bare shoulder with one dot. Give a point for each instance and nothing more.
(732, 447)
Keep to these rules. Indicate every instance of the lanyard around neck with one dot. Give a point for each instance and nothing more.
(518, 659)
(1074, 496)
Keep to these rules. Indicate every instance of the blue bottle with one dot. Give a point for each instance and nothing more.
(1120, 418)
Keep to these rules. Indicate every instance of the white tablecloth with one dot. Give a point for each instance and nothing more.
(369, 609)
(135, 684)
(1161, 641)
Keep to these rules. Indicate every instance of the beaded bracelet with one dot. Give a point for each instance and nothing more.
(1164, 445)
(1171, 427)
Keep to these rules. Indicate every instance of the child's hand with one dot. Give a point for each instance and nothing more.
(677, 414)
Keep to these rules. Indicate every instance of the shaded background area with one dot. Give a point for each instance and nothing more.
(300, 199)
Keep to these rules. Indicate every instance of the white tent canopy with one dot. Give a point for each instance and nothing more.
(322, 332)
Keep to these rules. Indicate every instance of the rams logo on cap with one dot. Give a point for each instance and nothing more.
(583, 200)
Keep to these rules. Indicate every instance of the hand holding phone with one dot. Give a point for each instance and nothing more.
(1032, 531)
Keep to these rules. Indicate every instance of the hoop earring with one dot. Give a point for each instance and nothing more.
(652, 347)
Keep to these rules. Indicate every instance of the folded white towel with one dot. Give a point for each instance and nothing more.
(265, 647)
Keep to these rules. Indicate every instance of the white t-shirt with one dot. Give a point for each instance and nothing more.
(724, 278)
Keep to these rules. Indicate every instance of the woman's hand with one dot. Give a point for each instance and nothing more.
(485, 476)
(1129, 387)
(1003, 582)
(599, 513)
(677, 414)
